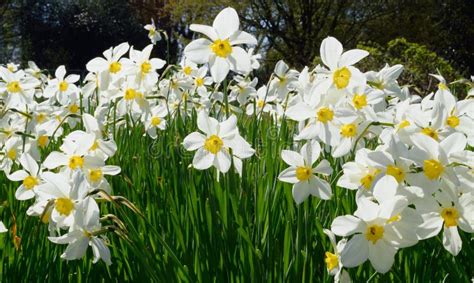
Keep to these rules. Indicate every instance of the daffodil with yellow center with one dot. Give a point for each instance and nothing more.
(187, 70)
(359, 101)
(41, 117)
(63, 86)
(342, 77)
(95, 175)
(433, 169)
(130, 94)
(325, 115)
(396, 172)
(303, 173)
(213, 144)
(76, 162)
(145, 67)
(348, 130)
(43, 141)
(115, 67)
(12, 154)
(30, 182)
(331, 260)
(452, 121)
(368, 179)
(374, 233)
(430, 132)
(74, 108)
(13, 87)
(199, 81)
(64, 206)
(221, 48)
(450, 216)
(155, 121)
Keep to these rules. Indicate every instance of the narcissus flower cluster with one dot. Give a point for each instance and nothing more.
(407, 160)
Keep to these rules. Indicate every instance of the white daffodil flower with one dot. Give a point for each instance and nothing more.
(19, 88)
(379, 230)
(83, 234)
(65, 192)
(153, 34)
(112, 64)
(359, 174)
(142, 67)
(448, 212)
(213, 147)
(341, 75)
(155, 120)
(221, 50)
(301, 173)
(434, 159)
(332, 260)
(385, 80)
(30, 176)
(74, 154)
(62, 87)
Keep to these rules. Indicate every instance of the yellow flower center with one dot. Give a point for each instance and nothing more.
(303, 173)
(374, 233)
(213, 144)
(187, 70)
(260, 103)
(325, 114)
(450, 216)
(64, 206)
(41, 117)
(43, 141)
(367, 180)
(13, 87)
(360, 101)
(74, 108)
(199, 81)
(221, 48)
(452, 121)
(130, 94)
(341, 77)
(396, 172)
(30, 182)
(75, 162)
(349, 130)
(95, 175)
(145, 67)
(115, 67)
(430, 132)
(433, 169)
(155, 121)
(63, 86)
(331, 260)
(12, 154)
(403, 124)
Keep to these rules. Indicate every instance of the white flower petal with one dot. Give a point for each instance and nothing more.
(226, 23)
(347, 225)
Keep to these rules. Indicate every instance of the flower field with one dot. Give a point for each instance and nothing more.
(151, 171)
